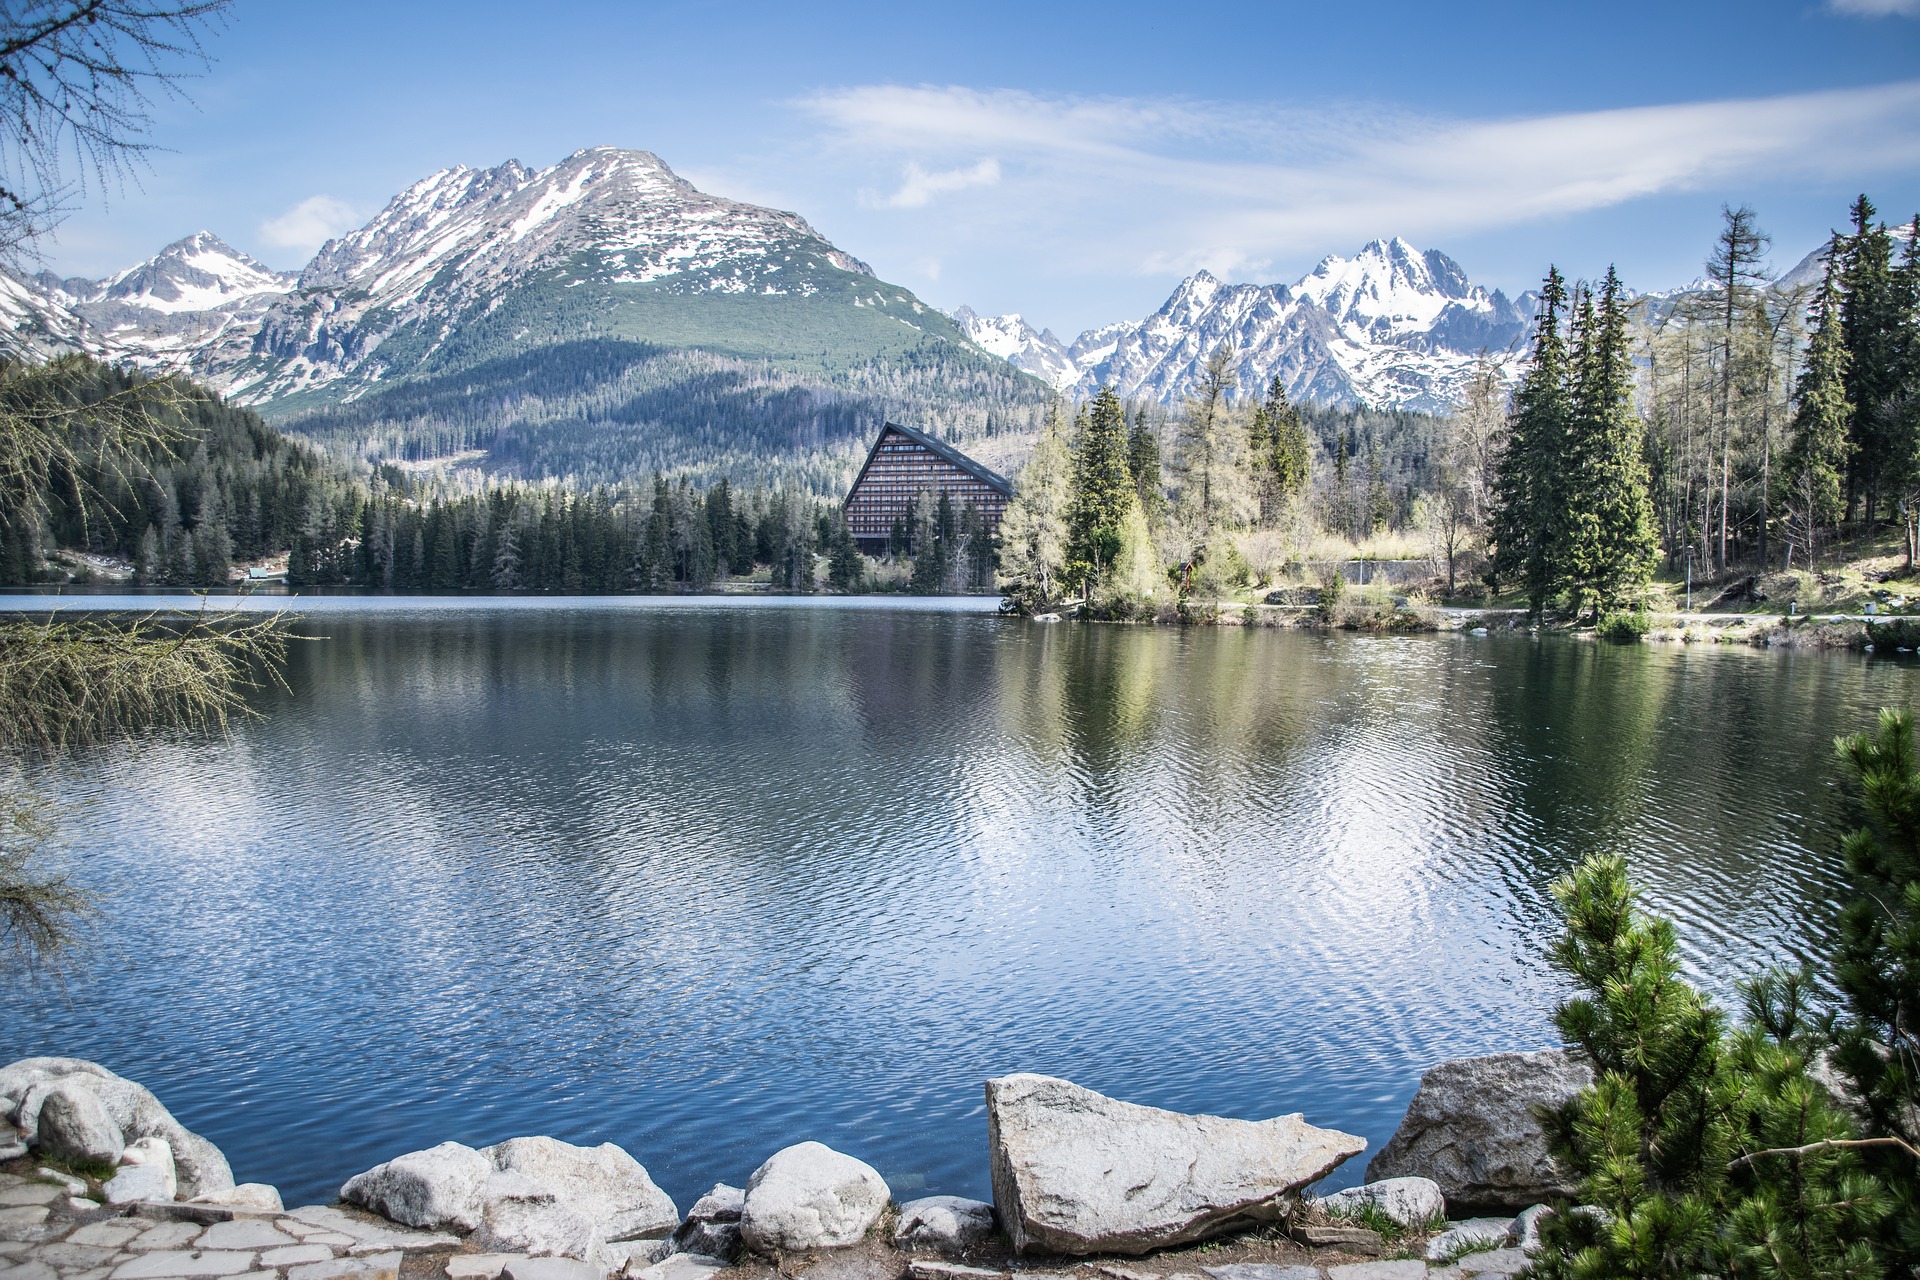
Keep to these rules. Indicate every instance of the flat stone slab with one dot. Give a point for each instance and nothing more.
(1261, 1271)
(380, 1266)
(545, 1269)
(32, 1193)
(25, 1215)
(922, 1270)
(166, 1235)
(1494, 1262)
(68, 1256)
(294, 1254)
(1399, 1270)
(169, 1264)
(31, 1270)
(116, 1233)
(479, 1266)
(243, 1234)
(683, 1266)
(380, 1234)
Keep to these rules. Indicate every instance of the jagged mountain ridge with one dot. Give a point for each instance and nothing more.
(1392, 327)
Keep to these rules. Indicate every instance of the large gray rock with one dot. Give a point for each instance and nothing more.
(1471, 1128)
(946, 1224)
(520, 1215)
(25, 1086)
(603, 1183)
(435, 1189)
(809, 1196)
(1076, 1172)
(1411, 1202)
(74, 1126)
(149, 1174)
(712, 1228)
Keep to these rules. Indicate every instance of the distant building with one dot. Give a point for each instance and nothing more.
(903, 462)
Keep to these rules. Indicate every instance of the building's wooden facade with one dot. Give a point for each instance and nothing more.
(903, 462)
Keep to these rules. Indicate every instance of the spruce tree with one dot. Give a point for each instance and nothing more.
(1143, 463)
(1870, 325)
(1103, 488)
(1528, 516)
(1609, 516)
(1822, 419)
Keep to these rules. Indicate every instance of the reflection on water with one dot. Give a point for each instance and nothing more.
(706, 880)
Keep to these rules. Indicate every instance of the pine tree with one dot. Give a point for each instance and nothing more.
(1143, 463)
(1736, 267)
(1816, 464)
(1651, 1139)
(1291, 450)
(1528, 498)
(846, 568)
(1611, 537)
(1103, 487)
(1870, 325)
(1877, 964)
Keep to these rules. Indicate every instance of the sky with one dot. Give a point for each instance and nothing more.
(1071, 162)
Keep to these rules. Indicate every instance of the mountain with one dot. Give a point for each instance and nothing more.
(194, 306)
(1392, 327)
(596, 318)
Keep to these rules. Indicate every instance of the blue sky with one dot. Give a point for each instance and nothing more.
(1071, 162)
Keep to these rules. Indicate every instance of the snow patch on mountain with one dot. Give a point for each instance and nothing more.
(1391, 327)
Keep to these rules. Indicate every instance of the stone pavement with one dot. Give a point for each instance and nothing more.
(47, 1232)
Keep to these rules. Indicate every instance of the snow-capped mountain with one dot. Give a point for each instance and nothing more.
(193, 307)
(1015, 341)
(449, 250)
(1392, 327)
(446, 255)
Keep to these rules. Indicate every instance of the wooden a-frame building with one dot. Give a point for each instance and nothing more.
(902, 463)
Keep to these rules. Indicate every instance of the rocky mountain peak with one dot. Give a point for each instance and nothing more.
(200, 272)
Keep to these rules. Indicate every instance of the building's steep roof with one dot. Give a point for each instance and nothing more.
(940, 447)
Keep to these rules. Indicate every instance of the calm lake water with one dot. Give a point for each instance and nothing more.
(707, 878)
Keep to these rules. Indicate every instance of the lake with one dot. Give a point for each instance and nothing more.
(707, 877)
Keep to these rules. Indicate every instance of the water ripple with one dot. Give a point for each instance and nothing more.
(707, 880)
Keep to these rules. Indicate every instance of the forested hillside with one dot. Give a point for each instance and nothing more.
(604, 410)
(203, 483)
(200, 485)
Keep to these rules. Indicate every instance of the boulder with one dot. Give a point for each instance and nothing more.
(1526, 1228)
(1075, 1172)
(809, 1196)
(435, 1189)
(947, 1224)
(74, 1126)
(520, 1215)
(25, 1086)
(712, 1228)
(603, 1183)
(148, 1174)
(1411, 1202)
(1472, 1128)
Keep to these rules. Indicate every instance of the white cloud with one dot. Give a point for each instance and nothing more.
(310, 224)
(1164, 185)
(1876, 8)
(918, 186)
